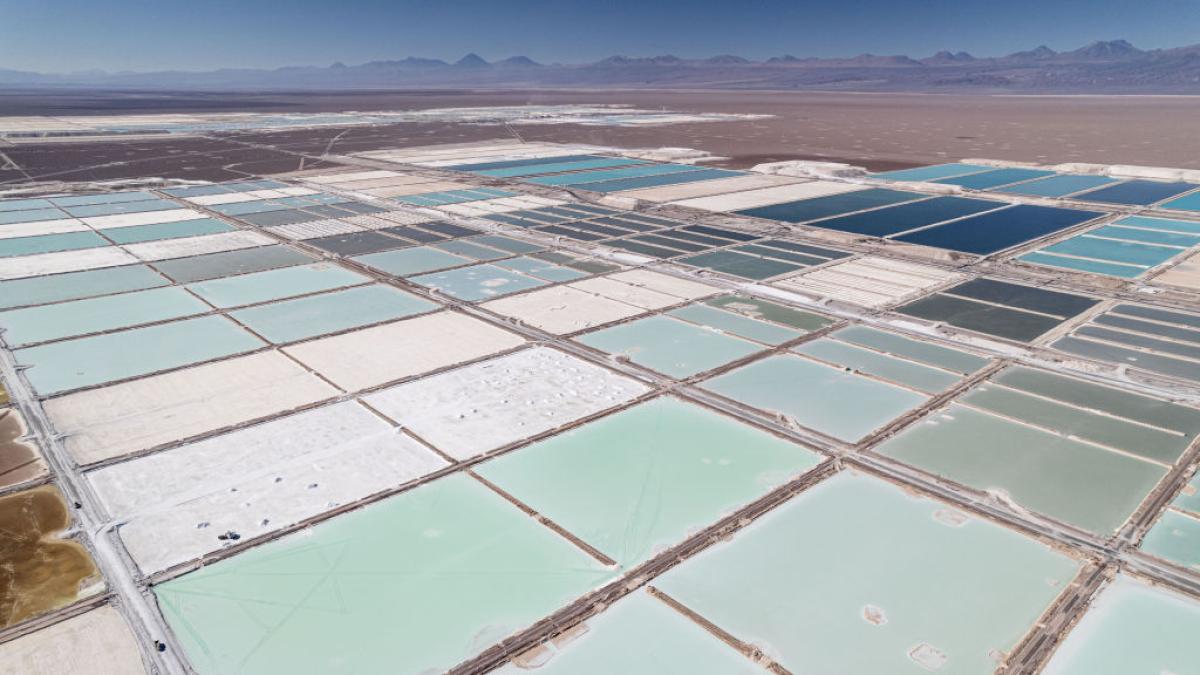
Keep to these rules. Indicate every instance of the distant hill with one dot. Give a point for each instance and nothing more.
(471, 61)
(519, 62)
(1111, 66)
(945, 58)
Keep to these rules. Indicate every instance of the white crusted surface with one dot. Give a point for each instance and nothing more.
(97, 642)
(486, 405)
(64, 261)
(562, 309)
(374, 356)
(254, 481)
(123, 418)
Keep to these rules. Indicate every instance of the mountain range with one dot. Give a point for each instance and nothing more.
(1113, 66)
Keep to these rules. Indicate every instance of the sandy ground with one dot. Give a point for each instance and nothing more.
(880, 131)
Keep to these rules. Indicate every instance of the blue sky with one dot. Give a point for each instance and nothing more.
(66, 35)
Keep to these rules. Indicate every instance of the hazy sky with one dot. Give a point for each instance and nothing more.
(64, 35)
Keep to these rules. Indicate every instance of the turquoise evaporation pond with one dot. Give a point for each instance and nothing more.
(927, 353)
(478, 282)
(292, 320)
(541, 269)
(641, 635)
(585, 177)
(104, 198)
(230, 263)
(1057, 186)
(935, 172)
(698, 174)
(1137, 192)
(80, 317)
(639, 481)
(24, 204)
(471, 249)
(856, 575)
(915, 375)
(1126, 248)
(995, 178)
(454, 196)
(415, 583)
(1093, 266)
(1132, 628)
(77, 285)
(111, 209)
(1176, 535)
(822, 397)
(669, 346)
(736, 324)
(250, 289)
(1189, 498)
(1176, 539)
(406, 261)
(1186, 203)
(82, 362)
(1081, 453)
(31, 216)
(159, 231)
(556, 167)
(50, 243)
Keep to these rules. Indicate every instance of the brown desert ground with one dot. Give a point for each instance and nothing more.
(879, 131)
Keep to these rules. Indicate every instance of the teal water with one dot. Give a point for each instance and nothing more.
(249, 289)
(1132, 629)
(77, 285)
(641, 635)
(638, 481)
(815, 395)
(302, 318)
(856, 575)
(668, 346)
(80, 317)
(82, 362)
(415, 583)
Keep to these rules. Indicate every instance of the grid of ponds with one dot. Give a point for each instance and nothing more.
(381, 430)
(1001, 309)
(1126, 248)
(1101, 189)
(1147, 338)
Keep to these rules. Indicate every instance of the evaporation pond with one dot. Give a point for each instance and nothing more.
(640, 635)
(249, 289)
(94, 315)
(815, 395)
(415, 583)
(293, 320)
(77, 285)
(856, 575)
(71, 364)
(639, 481)
(669, 346)
(1132, 627)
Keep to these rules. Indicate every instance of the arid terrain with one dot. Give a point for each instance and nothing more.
(880, 131)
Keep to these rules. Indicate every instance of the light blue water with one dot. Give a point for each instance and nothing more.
(655, 181)
(556, 167)
(49, 243)
(1058, 186)
(995, 178)
(302, 318)
(611, 174)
